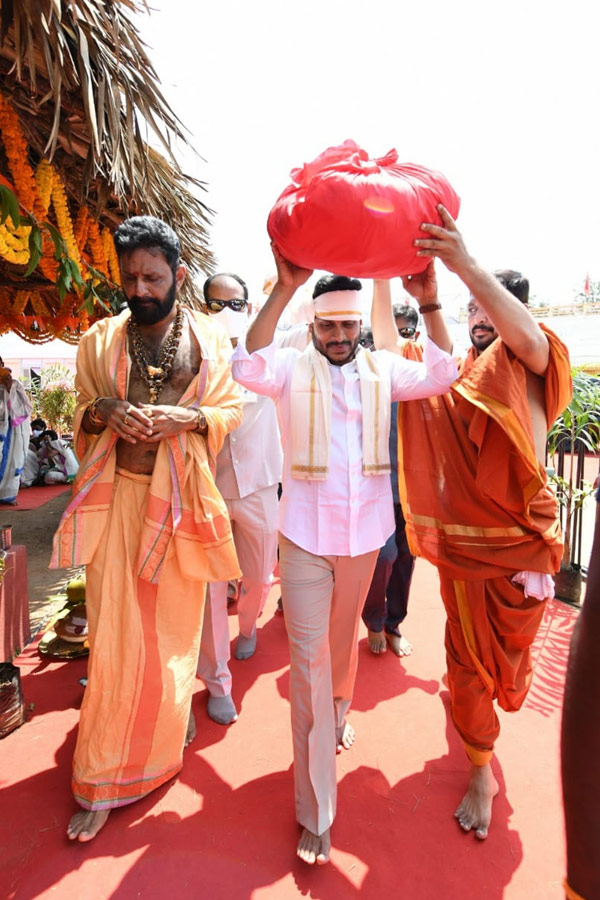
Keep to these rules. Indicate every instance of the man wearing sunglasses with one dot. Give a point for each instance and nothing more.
(386, 604)
(248, 474)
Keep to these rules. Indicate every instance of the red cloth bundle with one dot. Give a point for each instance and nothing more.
(352, 215)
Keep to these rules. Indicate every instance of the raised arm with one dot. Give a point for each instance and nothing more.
(423, 288)
(385, 333)
(289, 279)
(511, 318)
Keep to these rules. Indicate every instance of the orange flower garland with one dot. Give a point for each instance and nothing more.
(15, 146)
(111, 255)
(99, 260)
(36, 192)
(82, 224)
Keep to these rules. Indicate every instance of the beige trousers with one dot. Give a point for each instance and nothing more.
(254, 525)
(323, 597)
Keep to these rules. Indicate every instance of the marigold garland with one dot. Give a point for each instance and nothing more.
(38, 304)
(95, 243)
(111, 255)
(63, 218)
(16, 149)
(44, 179)
(20, 302)
(48, 265)
(82, 224)
(36, 193)
(13, 248)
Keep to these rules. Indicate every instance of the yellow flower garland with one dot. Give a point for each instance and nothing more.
(63, 218)
(44, 179)
(35, 192)
(11, 248)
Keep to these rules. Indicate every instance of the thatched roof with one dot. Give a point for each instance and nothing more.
(87, 98)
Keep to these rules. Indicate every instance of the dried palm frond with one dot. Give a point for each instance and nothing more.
(87, 94)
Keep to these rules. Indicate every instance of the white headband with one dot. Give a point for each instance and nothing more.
(339, 306)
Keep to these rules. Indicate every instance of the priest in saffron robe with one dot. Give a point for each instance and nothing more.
(155, 401)
(476, 497)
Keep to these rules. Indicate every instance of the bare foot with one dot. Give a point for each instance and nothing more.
(398, 644)
(377, 642)
(344, 737)
(86, 824)
(191, 730)
(475, 808)
(314, 848)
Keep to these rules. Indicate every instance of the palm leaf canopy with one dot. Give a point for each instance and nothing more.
(87, 98)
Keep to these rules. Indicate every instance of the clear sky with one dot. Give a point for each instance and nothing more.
(501, 97)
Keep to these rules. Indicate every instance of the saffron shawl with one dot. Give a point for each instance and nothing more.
(185, 513)
(476, 500)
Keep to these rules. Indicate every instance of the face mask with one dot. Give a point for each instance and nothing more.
(36, 433)
(234, 323)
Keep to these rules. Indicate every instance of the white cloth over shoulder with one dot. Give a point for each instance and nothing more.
(348, 513)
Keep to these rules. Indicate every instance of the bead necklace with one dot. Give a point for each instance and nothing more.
(155, 376)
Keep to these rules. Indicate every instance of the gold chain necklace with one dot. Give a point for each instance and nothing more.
(155, 376)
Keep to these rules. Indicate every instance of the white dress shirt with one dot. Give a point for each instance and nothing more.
(349, 513)
(251, 457)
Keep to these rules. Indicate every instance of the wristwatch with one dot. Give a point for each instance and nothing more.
(201, 423)
(429, 308)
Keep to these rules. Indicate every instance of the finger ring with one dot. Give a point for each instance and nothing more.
(125, 419)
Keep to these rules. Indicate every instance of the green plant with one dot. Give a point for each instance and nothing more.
(577, 426)
(56, 397)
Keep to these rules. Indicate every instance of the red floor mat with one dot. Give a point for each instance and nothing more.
(224, 828)
(33, 497)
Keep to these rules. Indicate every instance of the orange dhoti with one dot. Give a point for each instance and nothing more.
(150, 544)
(144, 641)
(490, 628)
(478, 505)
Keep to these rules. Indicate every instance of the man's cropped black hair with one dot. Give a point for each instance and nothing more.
(329, 283)
(405, 311)
(148, 233)
(514, 282)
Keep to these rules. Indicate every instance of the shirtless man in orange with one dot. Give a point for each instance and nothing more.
(476, 497)
(155, 401)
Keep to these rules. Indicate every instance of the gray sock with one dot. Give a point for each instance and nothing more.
(222, 709)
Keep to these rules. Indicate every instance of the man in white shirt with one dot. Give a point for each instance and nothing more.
(333, 403)
(248, 475)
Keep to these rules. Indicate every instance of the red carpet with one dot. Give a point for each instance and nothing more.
(34, 497)
(224, 829)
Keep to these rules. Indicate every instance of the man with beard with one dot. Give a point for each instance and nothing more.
(333, 403)
(155, 401)
(476, 497)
